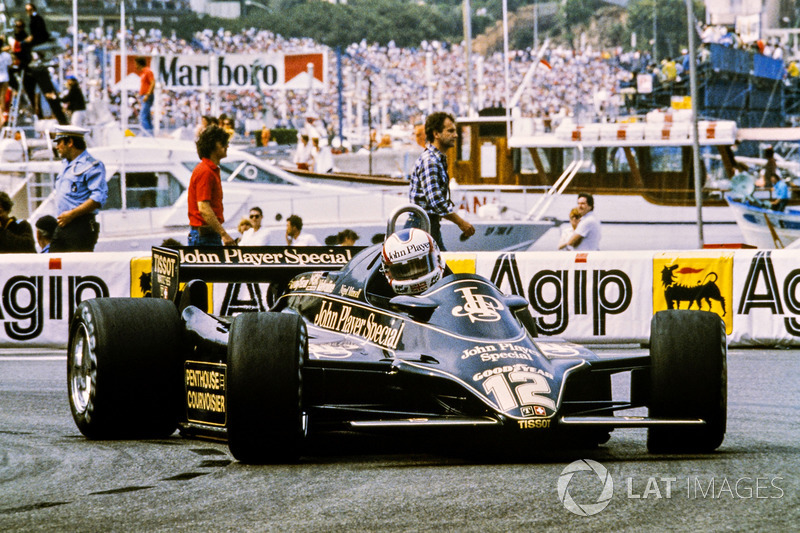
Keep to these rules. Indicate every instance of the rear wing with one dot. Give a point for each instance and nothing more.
(230, 264)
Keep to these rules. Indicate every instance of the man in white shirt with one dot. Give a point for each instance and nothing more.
(303, 153)
(255, 236)
(587, 234)
(294, 227)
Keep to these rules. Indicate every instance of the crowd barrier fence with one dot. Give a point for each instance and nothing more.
(597, 297)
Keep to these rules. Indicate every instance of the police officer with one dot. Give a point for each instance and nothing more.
(81, 190)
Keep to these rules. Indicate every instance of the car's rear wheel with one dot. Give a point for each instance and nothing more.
(265, 387)
(123, 368)
(688, 379)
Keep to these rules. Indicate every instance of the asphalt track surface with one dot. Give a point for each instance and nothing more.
(52, 479)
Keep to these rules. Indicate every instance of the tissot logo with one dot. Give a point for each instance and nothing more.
(478, 307)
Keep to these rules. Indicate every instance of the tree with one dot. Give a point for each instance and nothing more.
(671, 24)
(575, 13)
(380, 21)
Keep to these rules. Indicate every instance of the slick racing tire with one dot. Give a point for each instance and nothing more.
(123, 368)
(265, 387)
(688, 379)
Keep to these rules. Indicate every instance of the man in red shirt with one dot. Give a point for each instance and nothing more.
(205, 191)
(146, 93)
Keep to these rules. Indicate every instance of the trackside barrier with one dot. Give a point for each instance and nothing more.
(596, 297)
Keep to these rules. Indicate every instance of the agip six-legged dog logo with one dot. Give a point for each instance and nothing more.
(694, 280)
(675, 293)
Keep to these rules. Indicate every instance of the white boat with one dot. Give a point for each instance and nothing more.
(153, 204)
(640, 174)
(763, 227)
(760, 225)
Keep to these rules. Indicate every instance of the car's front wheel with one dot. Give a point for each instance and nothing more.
(688, 379)
(265, 387)
(123, 367)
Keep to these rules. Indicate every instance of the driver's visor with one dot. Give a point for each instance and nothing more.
(413, 268)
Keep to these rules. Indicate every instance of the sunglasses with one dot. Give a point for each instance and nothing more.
(255, 216)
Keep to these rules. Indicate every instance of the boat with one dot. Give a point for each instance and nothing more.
(763, 227)
(639, 170)
(649, 156)
(150, 204)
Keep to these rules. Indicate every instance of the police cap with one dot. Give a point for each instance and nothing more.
(62, 132)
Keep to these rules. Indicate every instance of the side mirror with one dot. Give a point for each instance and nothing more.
(419, 307)
(515, 303)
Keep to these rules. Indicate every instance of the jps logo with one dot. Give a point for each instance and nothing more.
(479, 307)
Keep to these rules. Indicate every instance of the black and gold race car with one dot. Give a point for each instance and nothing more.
(339, 351)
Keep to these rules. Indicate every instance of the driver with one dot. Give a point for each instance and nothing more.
(411, 261)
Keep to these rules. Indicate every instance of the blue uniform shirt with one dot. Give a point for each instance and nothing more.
(83, 178)
(781, 190)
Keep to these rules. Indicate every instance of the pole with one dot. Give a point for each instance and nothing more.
(341, 88)
(655, 31)
(468, 52)
(369, 121)
(310, 68)
(480, 83)
(75, 39)
(123, 104)
(698, 174)
(505, 68)
(429, 79)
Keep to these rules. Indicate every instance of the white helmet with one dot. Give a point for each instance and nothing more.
(411, 261)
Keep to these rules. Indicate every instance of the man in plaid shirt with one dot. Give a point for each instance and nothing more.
(430, 184)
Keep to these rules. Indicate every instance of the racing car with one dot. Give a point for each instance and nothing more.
(369, 346)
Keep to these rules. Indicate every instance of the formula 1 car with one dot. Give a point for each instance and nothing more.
(339, 351)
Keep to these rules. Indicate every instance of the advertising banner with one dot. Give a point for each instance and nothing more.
(584, 297)
(694, 280)
(41, 292)
(235, 71)
(596, 297)
(766, 300)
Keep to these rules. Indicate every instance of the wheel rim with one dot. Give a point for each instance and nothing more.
(82, 370)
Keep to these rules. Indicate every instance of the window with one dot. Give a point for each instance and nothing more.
(666, 159)
(249, 173)
(144, 190)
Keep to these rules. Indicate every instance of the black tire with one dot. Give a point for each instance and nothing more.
(688, 379)
(124, 368)
(265, 387)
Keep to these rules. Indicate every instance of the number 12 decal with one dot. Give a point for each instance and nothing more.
(527, 391)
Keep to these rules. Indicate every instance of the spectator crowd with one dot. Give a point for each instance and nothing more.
(581, 83)
(567, 80)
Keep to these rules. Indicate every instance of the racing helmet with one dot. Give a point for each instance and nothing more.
(411, 261)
